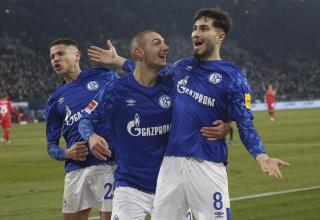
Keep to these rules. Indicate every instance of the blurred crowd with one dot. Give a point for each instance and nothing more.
(273, 42)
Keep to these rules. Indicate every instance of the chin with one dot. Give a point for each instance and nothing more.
(197, 54)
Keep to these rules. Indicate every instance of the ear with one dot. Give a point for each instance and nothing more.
(138, 53)
(220, 37)
(78, 56)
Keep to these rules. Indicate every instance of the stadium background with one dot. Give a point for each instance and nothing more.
(274, 41)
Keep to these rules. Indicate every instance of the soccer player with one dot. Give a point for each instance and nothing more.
(193, 172)
(138, 107)
(270, 99)
(88, 181)
(6, 110)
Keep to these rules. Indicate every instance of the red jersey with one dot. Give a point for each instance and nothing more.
(270, 96)
(6, 109)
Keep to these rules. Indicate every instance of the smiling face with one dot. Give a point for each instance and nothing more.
(151, 49)
(206, 39)
(64, 59)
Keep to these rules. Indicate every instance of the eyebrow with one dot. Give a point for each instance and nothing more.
(156, 39)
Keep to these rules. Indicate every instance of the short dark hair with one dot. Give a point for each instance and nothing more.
(64, 41)
(220, 18)
(139, 40)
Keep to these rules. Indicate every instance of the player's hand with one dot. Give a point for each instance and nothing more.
(270, 166)
(218, 130)
(99, 147)
(78, 151)
(106, 56)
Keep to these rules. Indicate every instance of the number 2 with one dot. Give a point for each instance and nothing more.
(108, 187)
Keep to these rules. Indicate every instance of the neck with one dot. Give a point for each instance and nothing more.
(73, 75)
(215, 55)
(145, 75)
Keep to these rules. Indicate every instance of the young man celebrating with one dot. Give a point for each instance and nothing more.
(88, 180)
(193, 172)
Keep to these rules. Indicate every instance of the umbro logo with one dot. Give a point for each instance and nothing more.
(189, 68)
(61, 100)
(131, 102)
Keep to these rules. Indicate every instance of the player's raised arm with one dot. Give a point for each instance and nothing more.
(108, 56)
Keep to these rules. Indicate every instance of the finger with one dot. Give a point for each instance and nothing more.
(212, 139)
(98, 155)
(93, 56)
(82, 158)
(99, 49)
(93, 52)
(95, 60)
(211, 133)
(283, 163)
(279, 174)
(217, 122)
(108, 151)
(81, 147)
(209, 129)
(110, 45)
(81, 142)
(101, 148)
(83, 151)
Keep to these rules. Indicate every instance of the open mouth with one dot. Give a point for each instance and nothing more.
(57, 67)
(197, 43)
(163, 56)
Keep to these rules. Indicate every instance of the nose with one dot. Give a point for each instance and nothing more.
(166, 47)
(56, 59)
(194, 34)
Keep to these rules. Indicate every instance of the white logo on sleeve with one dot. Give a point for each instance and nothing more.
(92, 85)
(134, 129)
(165, 101)
(215, 78)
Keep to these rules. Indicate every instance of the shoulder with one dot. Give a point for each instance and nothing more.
(56, 95)
(96, 71)
(184, 62)
(231, 71)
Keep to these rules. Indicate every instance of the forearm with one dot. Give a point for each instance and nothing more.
(250, 138)
(86, 129)
(56, 152)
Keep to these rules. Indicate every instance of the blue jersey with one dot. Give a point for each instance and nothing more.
(207, 91)
(140, 118)
(64, 109)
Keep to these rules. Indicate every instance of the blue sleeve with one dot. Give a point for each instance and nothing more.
(250, 137)
(128, 66)
(239, 108)
(53, 131)
(109, 75)
(99, 109)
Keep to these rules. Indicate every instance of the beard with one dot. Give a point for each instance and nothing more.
(205, 51)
